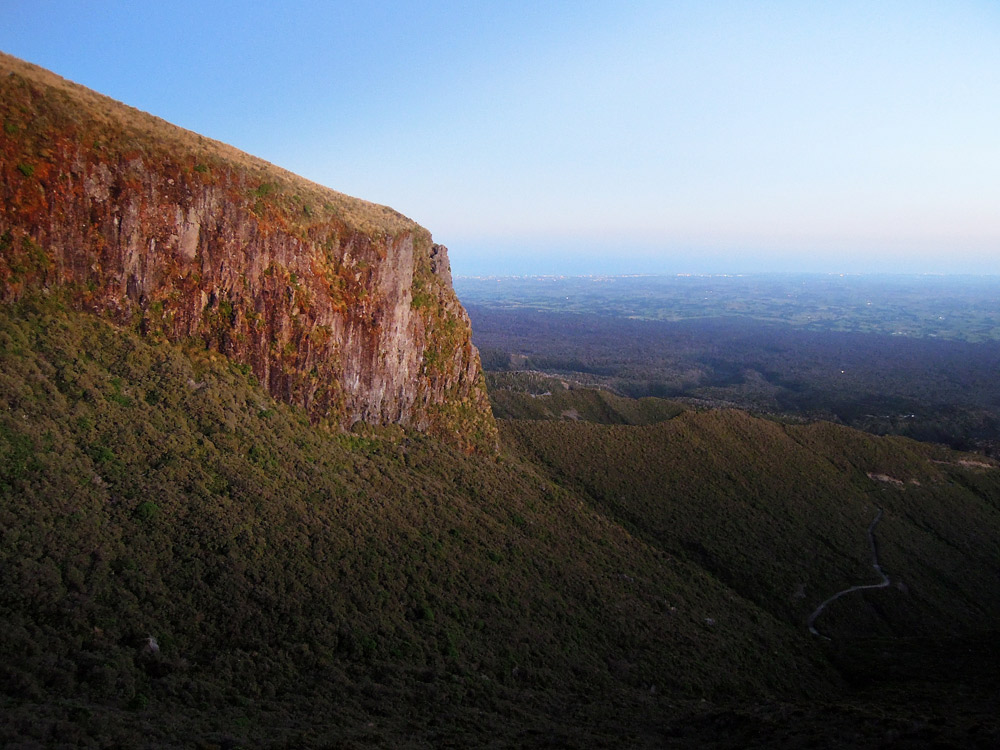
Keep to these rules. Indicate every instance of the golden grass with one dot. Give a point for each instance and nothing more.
(97, 113)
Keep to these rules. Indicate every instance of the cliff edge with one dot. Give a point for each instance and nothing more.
(337, 304)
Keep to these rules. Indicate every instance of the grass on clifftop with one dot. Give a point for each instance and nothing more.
(38, 108)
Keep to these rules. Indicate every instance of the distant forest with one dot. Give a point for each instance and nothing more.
(914, 356)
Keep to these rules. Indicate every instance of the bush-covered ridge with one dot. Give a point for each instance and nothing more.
(778, 512)
(534, 395)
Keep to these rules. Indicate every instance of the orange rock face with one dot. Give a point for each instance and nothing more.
(336, 304)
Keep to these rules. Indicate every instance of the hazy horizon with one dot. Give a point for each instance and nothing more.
(516, 259)
(721, 274)
(592, 137)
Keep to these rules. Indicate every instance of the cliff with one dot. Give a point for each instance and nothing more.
(339, 305)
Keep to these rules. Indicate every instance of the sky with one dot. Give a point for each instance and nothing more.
(589, 137)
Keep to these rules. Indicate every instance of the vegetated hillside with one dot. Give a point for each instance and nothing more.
(304, 586)
(783, 513)
(339, 305)
(779, 513)
(185, 560)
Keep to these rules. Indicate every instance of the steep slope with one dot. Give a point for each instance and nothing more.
(185, 561)
(336, 304)
(302, 586)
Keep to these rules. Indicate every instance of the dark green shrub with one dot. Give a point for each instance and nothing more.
(147, 511)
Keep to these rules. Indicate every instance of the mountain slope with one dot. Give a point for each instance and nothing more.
(780, 512)
(336, 304)
(589, 587)
(145, 492)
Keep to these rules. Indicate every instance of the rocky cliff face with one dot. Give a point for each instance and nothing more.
(339, 305)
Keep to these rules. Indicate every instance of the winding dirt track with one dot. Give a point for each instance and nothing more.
(878, 569)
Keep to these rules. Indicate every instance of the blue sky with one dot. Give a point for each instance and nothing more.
(590, 137)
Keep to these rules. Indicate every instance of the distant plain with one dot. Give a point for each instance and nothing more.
(891, 354)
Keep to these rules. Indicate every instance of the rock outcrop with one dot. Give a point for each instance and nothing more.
(339, 305)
